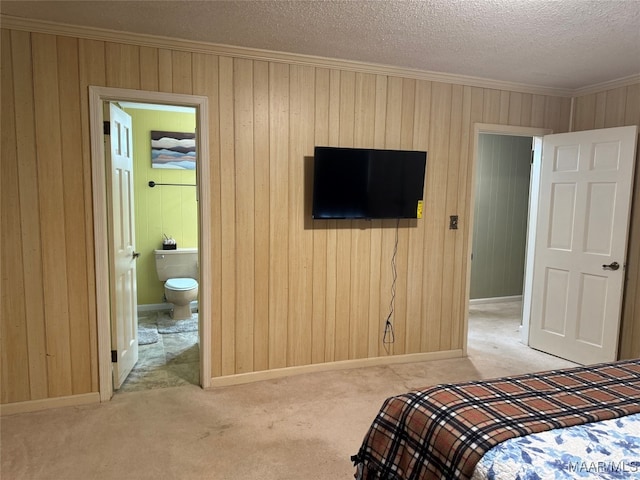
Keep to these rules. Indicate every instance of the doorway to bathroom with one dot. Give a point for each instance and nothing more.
(165, 219)
(168, 352)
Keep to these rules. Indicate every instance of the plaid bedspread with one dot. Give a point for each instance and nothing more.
(441, 432)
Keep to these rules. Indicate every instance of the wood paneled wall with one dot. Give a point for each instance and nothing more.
(616, 108)
(286, 291)
(501, 214)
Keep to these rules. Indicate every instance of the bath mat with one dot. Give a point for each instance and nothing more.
(147, 334)
(166, 324)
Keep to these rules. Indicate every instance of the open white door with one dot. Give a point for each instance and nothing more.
(124, 321)
(582, 231)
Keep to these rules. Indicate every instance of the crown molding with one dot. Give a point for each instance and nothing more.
(53, 28)
(611, 84)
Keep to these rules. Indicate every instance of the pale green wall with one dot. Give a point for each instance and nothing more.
(500, 216)
(162, 209)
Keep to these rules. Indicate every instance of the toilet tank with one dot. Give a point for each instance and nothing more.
(179, 263)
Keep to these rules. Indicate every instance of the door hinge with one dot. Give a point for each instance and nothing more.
(114, 356)
(106, 127)
(533, 152)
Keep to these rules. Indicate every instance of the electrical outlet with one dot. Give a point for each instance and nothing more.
(453, 222)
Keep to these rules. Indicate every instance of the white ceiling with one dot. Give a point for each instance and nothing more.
(567, 44)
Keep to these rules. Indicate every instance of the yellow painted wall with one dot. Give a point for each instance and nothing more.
(161, 209)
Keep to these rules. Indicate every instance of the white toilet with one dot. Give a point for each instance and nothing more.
(179, 270)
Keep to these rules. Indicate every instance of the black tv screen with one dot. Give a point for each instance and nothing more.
(367, 183)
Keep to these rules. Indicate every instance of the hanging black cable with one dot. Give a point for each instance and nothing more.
(389, 335)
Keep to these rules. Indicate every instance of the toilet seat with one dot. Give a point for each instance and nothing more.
(181, 284)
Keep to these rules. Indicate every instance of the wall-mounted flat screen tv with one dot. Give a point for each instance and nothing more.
(367, 183)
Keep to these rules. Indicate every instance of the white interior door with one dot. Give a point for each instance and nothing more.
(582, 231)
(124, 321)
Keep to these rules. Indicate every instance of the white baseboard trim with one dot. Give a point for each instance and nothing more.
(239, 379)
(48, 403)
(242, 378)
(479, 301)
(155, 307)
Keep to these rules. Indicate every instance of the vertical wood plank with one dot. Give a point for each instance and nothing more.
(72, 169)
(461, 261)
(332, 235)
(206, 82)
(181, 72)
(505, 99)
(30, 220)
(278, 213)
(320, 227)
(13, 331)
(149, 69)
(165, 70)
(416, 250)
(527, 102)
(475, 115)
(92, 71)
(364, 130)
(227, 216)
(343, 236)
(244, 213)
(491, 110)
(585, 113)
(601, 105)
(450, 286)
(389, 338)
(122, 65)
(564, 123)
(402, 254)
(359, 305)
(51, 201)
(557, 114)
(261, 217)
(614, 115)
(537, 111)
(515, 109)
(552, 112)
(301, 115)
(377, 313)
(436, 197)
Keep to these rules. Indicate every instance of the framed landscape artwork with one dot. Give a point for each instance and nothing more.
(173, 150)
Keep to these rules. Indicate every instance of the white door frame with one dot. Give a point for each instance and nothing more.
(98, 95)
(479, 128)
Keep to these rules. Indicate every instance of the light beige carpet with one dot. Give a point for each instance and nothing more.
(302, 427)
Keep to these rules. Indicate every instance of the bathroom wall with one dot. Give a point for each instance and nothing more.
(162, 209)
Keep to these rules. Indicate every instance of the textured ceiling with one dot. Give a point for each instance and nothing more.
(550, 43)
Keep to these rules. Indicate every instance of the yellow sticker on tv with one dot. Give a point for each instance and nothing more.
(419, 209)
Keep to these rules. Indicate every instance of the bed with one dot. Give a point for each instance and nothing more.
(506, 427)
